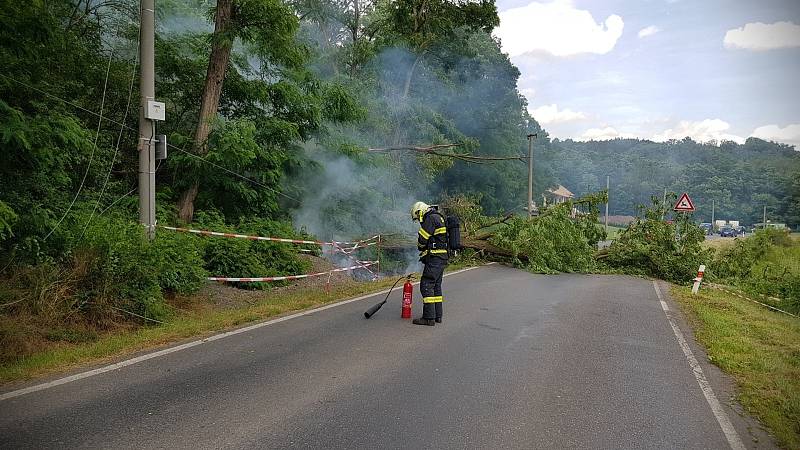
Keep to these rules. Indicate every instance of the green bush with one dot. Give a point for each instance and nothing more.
(651, 246)
(738, 260)
(246, 258)
(122, 269)
(108, 271)
(179, 260)
(767, 263)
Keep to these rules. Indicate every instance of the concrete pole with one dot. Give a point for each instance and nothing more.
(712, 216)
(147, 130)
(530, 175)
(664, 205)
(765, 217)
(607, 185)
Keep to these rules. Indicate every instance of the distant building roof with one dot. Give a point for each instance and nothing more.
(561, 191)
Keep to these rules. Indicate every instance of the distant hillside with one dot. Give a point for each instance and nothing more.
(741, 179)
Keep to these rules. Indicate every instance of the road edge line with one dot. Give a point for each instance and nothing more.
(724, 422)
(177, 348)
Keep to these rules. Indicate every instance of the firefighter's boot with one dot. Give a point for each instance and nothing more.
(428, 315)
(438, 312)
(423, 321)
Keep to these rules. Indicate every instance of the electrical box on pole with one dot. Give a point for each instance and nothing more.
(155, 110)
(161, 147)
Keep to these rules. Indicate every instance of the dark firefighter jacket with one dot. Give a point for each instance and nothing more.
(432, 237)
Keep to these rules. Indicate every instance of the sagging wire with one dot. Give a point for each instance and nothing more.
(110, 120)
(119, 138)
(94, 147)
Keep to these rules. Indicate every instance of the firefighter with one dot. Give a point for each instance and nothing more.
(432, 245)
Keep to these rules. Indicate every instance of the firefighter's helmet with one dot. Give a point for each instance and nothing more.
(418, 210)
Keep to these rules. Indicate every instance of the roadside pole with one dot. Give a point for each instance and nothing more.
(147, 131)
(530, 174)
(699, 279)
(712, 216)
(764, 223)
(607, 184)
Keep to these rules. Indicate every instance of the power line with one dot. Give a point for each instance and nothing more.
(67, 102)
(133, 189)
(94, 147)
(117, 200)
(233, 173)
(119, 140)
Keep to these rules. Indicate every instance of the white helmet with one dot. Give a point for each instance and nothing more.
(418, 210)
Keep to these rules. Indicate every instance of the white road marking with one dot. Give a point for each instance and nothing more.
(727, 427)
(166, 351)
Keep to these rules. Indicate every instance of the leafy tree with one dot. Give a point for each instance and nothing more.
(268, 26)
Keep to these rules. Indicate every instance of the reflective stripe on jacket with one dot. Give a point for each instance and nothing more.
(432, 236)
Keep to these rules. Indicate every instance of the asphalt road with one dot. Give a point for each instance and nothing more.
(521, 361)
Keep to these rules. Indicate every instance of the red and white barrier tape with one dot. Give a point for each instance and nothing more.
(349, 255)
(364, 264)
(273, 239)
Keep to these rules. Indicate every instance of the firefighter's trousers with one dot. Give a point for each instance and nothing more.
(430, 286)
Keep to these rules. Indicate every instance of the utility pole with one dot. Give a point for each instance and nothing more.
(712, 216)
(765, 217)
(607, 185)
(664, 205)
(147, 127)
(530, 174)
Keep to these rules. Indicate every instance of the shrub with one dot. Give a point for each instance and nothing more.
(107, 270)
(179, 261)
(122, 270)
(767, 263)
(246, 258)
(737, 261)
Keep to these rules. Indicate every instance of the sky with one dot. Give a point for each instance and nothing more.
(658, 69)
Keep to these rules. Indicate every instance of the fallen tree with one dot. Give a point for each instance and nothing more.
(436, 151)
(563, 238)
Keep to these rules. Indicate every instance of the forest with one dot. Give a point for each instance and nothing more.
(741, 179)
(323, 118)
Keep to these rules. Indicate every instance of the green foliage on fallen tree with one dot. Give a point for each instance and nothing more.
(562, 239)
(653, 246)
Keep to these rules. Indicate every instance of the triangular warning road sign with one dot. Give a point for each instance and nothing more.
(684, 204)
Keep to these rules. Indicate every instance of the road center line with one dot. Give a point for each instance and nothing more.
(719, 413)
(215, 337)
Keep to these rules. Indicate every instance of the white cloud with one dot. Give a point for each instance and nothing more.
(649, 31)
(600, 134)
(702, 131)
(557, 28)
(762, 36)
(528, 93)
(788, 135)
(549, 114)
(604, 134)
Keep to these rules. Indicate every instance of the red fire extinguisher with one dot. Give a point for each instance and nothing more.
(408, 291)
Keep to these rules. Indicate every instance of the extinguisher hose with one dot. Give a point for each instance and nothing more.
(371, 311)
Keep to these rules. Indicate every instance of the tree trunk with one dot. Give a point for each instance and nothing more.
(354, 34)
(217, 65)
(410, 75)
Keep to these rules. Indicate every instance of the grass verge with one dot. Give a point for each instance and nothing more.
(759, 348)
(187, 323)
(613, 232)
